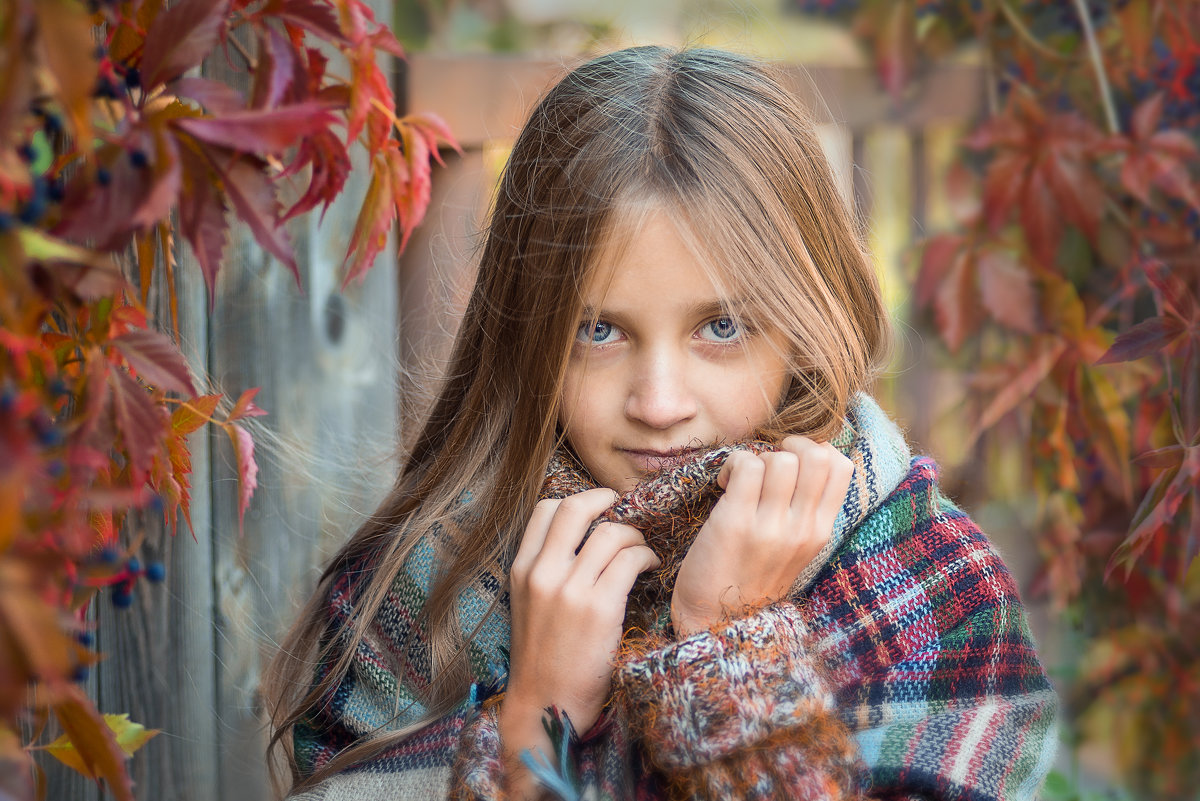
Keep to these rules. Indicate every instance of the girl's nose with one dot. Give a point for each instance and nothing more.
(660, 394)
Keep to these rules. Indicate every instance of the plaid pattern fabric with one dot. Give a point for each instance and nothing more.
(904, 669)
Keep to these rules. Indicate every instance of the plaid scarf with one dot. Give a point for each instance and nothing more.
(901, 666)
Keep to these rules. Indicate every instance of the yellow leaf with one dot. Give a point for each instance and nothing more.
(130, 737)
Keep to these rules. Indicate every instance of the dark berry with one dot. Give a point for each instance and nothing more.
(52, 124)
(133, 565)
(55, 191)
(35, 207)
(155, 504)
(138, 159)
(156, 572)
(105, 88)
(6, 221)
(110, 554)
(86, 639)
(81, 674)
(26, 152)
(133, 78)
(103, 176)
(99, 52)
(122, 597)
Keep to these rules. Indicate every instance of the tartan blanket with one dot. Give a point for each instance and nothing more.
(901, 667)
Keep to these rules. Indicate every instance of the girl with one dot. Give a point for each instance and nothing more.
(654, 541)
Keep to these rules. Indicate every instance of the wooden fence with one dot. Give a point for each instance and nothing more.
(187, 658)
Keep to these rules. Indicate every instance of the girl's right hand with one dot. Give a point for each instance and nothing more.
(568, 610)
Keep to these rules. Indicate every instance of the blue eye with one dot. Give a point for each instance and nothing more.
(596, 333)
(722, 329)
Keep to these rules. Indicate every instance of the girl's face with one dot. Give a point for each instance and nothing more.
(658, 369)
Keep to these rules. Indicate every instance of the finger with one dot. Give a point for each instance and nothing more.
(571, 521)
(811, 476)
(535, 534)
(606, 541)
(623, 569)
(841, 475)
(779, 478)
(744, 482)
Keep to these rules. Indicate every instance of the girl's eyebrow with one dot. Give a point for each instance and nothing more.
(704, 308)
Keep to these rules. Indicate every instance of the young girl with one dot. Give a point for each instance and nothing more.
(652, 507)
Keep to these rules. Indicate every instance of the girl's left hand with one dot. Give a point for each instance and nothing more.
(776, 515)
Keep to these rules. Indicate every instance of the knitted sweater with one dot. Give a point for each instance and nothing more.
(901, 666)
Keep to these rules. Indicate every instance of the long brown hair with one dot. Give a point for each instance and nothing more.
(713, 139)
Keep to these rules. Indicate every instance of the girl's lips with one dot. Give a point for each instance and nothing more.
(652, 461)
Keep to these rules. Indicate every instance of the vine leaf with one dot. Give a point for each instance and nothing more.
(180, 38)
(202, 219)
(252, 194)
(1145, 338)
(95, 743)
(139, 420)
(156, 359)
(129, 737)
(1155, 158)
(1042, 358)
(243, 448)
(261, 131)
(1006, 289)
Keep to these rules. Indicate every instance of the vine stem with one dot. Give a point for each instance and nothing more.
(1106, 96)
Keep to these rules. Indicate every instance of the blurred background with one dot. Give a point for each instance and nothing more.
(1025, 174)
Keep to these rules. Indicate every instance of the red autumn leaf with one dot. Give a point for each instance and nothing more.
(243, 447)
(94, 741)
(1173, 293)
(165, 176)
(202, 219)
(1156, 158)
(1006, 289)
(214, 96)
(434, 130)
(156, 359)
(1043, 356)
(253, 197)
(1145, 338)
(261, 131)
(103, 215)
(245, 406)
(1041, 170)
(937, 257)
(180, 38)
(1162, 458)
(138, 418)
(314, 16)
(411, 197)
(330, 164)
(368, 83)
(374, 218)
(956, 303)
(275, 71)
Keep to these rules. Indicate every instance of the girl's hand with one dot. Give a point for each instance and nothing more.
(775, 516)
(567, 615)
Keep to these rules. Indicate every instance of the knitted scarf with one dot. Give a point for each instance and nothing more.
(911, 633)
(669, 510)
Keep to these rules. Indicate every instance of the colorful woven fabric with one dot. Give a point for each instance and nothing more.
(901, 667)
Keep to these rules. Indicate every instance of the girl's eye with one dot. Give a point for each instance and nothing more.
(722, 329)
(596, 333)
